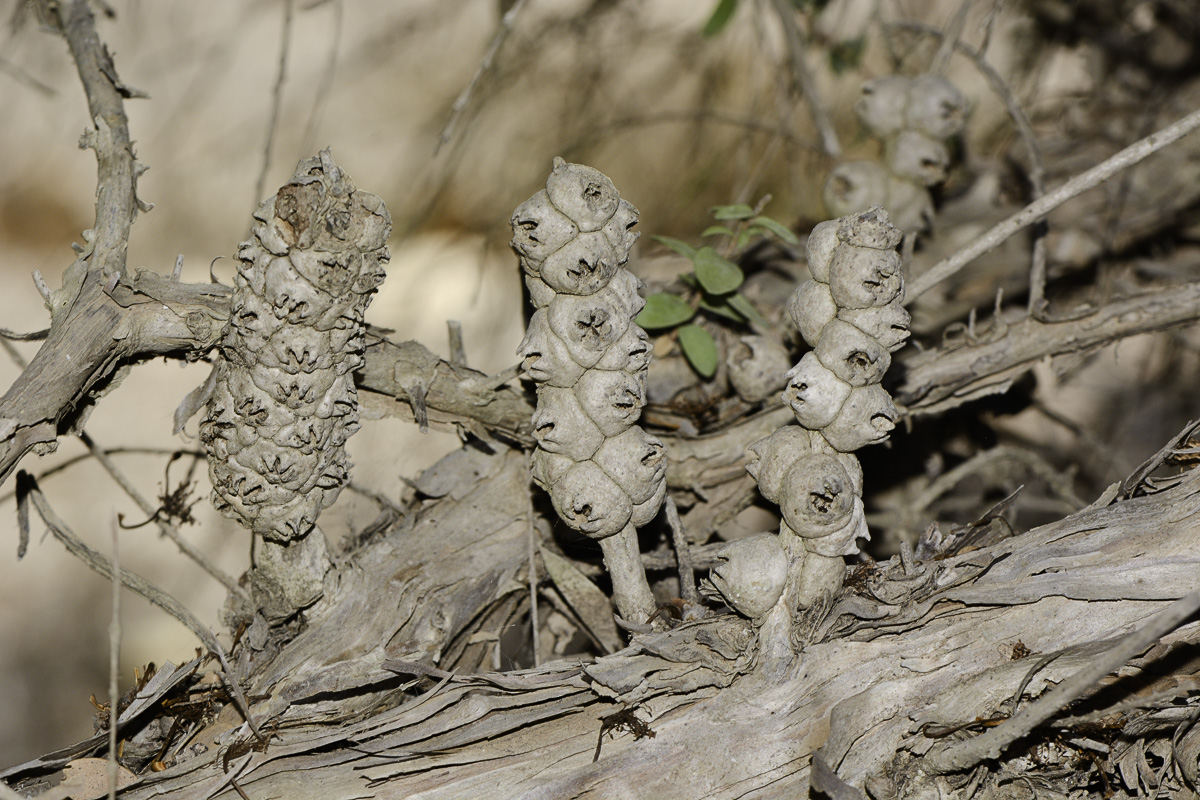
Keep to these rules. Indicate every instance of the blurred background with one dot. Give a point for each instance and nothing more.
(680, 120)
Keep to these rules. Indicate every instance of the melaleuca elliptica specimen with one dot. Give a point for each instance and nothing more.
(284, 403)
(913, 117)
(852, 317)
(604, 474)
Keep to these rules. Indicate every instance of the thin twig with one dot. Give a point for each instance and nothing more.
(131, 580)
(964, 755)
(458, 352)
(464, 98)
(1038, 209)
(321, 96)
(5, 333)
(1037, 171)
(954, 29)
(802, 80)
(276, 101)
(683, 555)
(114, 660)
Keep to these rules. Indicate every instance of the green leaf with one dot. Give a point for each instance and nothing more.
(699, 349)
(664, 310)
(720, 307)
(683, 248)
(717, 274)
(845, 56)
(714, 230)
(740, 304)
(739, 211)
(720, 17)
(778, 228)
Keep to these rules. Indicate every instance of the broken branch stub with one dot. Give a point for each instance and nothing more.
(835, 394)
(605, 475)
(284, 401)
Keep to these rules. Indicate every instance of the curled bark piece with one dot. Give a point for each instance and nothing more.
(757, 367)
(882, 106)
(862, 277)
(935, 107)
(284, 403)
(811, 309)
(584, 194)
(867, 417)
(751, 575)
(591, 502)
(814, 393)
(852, 355)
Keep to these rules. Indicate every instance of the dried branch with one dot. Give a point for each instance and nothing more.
(802, 80)
(276, 101)
(1039, 208)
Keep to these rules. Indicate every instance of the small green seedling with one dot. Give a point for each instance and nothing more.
(716, 280)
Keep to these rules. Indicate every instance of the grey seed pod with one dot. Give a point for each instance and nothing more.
(644, 513)
(814, 393)
(546, 467)
(886, 324)
(867, 417)
(843, 541)
(757, 367)
(871, 228)
(852, 355)
(540, 292)
(770, 458)
(588, 325)
(560, 425)
(624, 292)
(910, 204)
(854, 186)
(914, 156)
(284, 403)
(820, 246)
(582, 266)
(861, 277)
(811, 309)
(584, 194)
(751, 574)
(883, 103)
(539, 228)
(545, 357)
(613, 400)
(637, 462)
(619, 230)
(590, 501)
(935, 107)
(817, 496)
(631, 353)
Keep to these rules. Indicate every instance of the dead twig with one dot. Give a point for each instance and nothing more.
(276, 101)
(464, 98)
(1039, 208)
(802, 80)
(114, 659)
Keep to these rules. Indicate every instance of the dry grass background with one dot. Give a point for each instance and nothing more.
(630, 87)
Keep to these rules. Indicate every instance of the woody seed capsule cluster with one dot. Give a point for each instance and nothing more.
(852, 317)
(604, 474)
(285, 402)
(913, 117)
